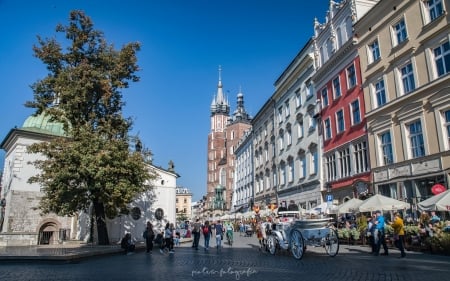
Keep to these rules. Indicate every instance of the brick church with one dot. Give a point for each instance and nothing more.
(225, 133)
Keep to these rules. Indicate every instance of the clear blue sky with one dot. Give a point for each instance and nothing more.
(183, 44)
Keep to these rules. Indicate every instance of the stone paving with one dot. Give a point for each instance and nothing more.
(242, 261)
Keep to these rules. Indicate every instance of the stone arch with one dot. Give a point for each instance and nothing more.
(48, 232)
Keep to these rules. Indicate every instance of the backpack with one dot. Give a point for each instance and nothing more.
(205, 230)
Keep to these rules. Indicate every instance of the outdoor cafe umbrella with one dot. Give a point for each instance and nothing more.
(440, 202)
(349, 206)
(322, 209)
(381, 202)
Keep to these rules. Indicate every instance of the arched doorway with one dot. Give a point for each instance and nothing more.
(48, 233)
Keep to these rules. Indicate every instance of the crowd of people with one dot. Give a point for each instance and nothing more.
(170, 237)
(376, 224)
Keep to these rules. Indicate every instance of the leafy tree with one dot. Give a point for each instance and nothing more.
(181, 217)
(92, 165)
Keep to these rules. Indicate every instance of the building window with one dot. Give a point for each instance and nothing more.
(136, 213)
(386, 148)
(312, 121)
(340, 121)
(434, 9)
(274, 178)
(314, 162)
(380, 93)
(280, 142)
(298, 99)
(374, 51)
(345, 163)
(310, 90)
(356, 114)
(331, 167)
(407, 76)
(287, 110)
(280, 114)
(336, 87)
(330, 48)
(339, 37)
(300, 129)
(302, 166)
(291, 170)
(447, 126)
(442, 59)
(327, 125)
(361, 161)
(266, 153)
(289, 137)
(416, 139)
(400, 34)
(351, 76)
(282, 174)
(324, 97)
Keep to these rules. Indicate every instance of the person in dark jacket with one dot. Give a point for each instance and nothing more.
(127, 244)
(149, 236)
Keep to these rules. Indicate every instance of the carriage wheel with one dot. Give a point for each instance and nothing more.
(331, 243)
(297, 244)
(272, 244)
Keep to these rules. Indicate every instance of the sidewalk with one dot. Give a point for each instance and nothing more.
(71, 252)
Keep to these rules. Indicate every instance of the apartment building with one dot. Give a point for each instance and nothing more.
(296, 137)
(243, 190)
(404, 54)
(338, 87)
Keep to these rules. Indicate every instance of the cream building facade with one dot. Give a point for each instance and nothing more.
(405, 63)
(183, 202)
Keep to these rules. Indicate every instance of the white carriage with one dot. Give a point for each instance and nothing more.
(293, 233)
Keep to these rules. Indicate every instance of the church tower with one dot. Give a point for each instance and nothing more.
(225, 133)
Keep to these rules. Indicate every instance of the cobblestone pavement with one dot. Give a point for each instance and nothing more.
(242, 261)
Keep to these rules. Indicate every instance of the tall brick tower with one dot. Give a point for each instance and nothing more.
(224, 136)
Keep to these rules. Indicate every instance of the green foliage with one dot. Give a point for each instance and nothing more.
(344, 233)
(361, 223)
(388, 229)
(93, 164)
(411, 230)
(440, 241)
(181, 217)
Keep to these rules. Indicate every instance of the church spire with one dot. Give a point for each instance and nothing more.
(219, 103)
(240, 115)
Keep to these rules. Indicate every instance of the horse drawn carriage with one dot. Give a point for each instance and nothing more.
(294, 234)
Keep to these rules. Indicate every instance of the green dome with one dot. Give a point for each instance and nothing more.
(41, 124)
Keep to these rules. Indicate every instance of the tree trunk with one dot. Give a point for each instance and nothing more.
(102, 231)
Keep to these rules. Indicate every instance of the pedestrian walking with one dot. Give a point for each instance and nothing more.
(149, 236)
(380, 234)
(399, 233)
(219, 235)
(370, 232)
(207, 232)
(168, 238)
(196, 233)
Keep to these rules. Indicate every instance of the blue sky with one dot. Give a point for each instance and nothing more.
(183, 44)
